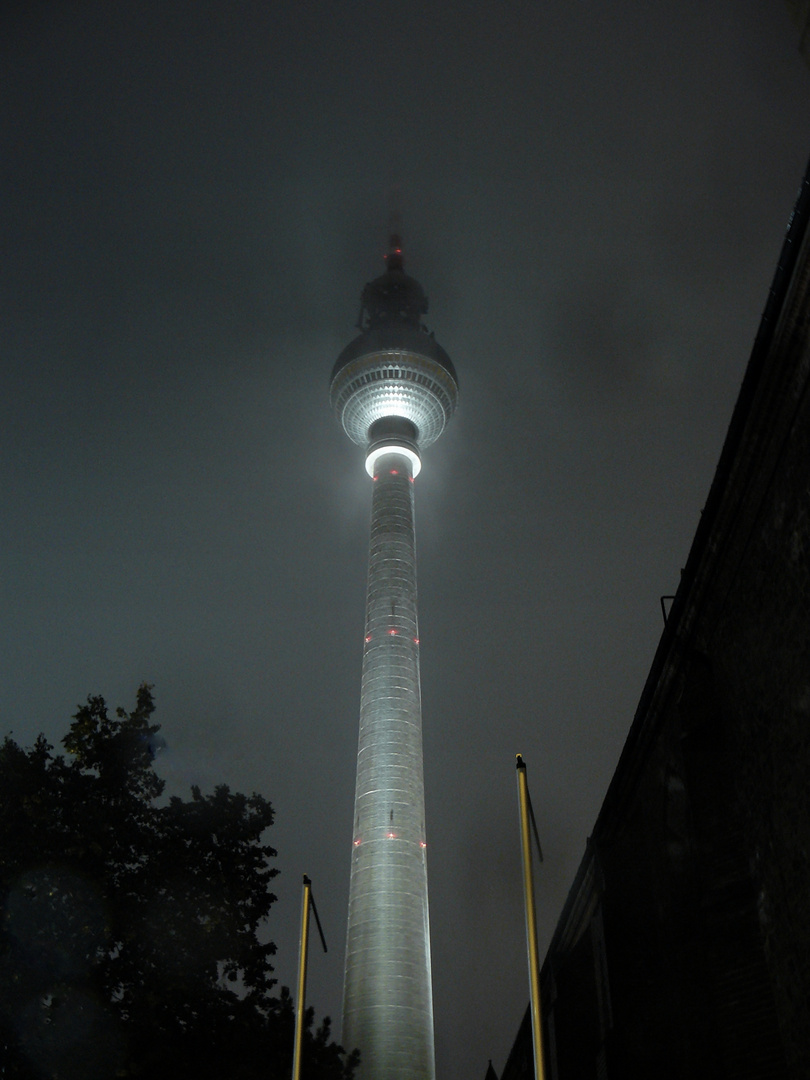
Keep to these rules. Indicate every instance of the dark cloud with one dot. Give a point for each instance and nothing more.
(192, 197)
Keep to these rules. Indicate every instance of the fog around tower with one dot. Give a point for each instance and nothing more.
(193, 196)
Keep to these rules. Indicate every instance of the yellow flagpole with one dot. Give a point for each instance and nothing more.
(531, 922)
(302, 980)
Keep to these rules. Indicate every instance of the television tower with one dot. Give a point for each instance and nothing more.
(393, 389)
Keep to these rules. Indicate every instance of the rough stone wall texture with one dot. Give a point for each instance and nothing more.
(759, 648)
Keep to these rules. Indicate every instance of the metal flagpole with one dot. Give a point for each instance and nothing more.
(307, 902)
(527, 815)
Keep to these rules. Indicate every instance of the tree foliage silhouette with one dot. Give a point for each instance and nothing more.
(130, 937)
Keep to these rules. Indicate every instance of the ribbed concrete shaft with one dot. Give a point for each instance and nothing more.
(387, 1001)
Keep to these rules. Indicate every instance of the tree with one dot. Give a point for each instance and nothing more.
(130, 938)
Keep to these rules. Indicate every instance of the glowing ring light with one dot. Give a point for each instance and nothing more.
(393, 448)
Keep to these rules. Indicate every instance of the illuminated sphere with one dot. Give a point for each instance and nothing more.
(394, 385)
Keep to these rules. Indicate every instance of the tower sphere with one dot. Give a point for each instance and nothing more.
(394, 385)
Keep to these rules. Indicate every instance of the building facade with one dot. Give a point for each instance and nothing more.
(393, 390)
(684, 947)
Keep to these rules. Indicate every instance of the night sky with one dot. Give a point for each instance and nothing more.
(594, 194)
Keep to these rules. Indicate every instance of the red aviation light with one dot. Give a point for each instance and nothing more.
(391, 836)
(368, 638)
(416, 641)
(358, 842)
(422, 844)
(395, 472)
(392, 633)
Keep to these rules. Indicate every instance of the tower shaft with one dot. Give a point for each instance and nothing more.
(387, 1004)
